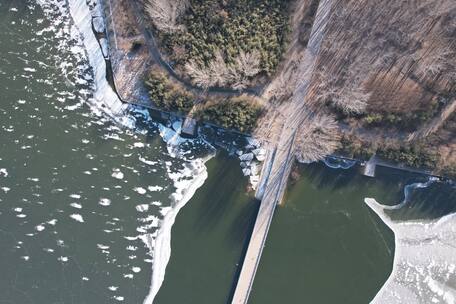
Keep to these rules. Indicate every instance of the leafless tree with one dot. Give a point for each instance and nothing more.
(248, 64)
(218, 72)
(164, 13)
(349, 98)
(318, 137)
(436, 61)
(199, 74)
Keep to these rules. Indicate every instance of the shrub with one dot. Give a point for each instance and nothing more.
(239, 113)
(168, 95)
(413, 156)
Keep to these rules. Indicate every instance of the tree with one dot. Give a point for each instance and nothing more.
(317, 138)
(164, 13)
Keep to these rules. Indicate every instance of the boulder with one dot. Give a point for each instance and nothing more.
(253, 142)
(246, 171)
(246, 157)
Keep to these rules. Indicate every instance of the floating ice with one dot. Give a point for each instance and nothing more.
(138, 145)
(140, 190)
(117, 174)
(76, 205)
(104, 202)
(3, 172)
(63, 259)
(147, 162)
(142, 208)
(154, 188)
(77, 217)
(39, 228)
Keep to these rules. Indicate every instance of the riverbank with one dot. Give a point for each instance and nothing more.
(134, 51)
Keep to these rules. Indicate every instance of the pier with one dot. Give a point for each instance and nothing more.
(369, 167)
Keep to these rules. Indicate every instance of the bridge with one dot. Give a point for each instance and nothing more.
(292, 115)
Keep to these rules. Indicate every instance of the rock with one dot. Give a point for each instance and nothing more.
(249, 147)
(104, 47)
(254, 180)
(98, 25)
(253, 142)
(260, 154)
(247, 157)
(246, 172)
(254, 168)
(239, 152)
(244, 165)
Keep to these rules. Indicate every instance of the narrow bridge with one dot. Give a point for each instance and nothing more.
(294, 114)
(276, 181)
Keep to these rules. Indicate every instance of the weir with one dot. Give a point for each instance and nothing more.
(279, 163)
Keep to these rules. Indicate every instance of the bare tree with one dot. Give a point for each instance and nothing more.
(248, 64)
(318, 137)
(199, 74)
(218, 72)
(436, 61)
(164, 13)
(349, 98)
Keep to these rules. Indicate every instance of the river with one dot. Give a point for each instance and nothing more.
(97, 210)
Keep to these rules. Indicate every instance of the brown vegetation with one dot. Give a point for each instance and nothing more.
(218, 73)
(164, 13)
(317, 138)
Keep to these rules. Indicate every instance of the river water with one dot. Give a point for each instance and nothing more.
(87, 206)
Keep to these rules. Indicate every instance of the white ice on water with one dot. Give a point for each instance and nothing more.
(186, 181)
(424, 269)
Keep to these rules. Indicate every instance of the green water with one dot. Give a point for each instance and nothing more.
(208, 238)
(70, 222)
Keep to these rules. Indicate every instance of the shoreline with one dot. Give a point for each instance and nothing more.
(144, 101)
